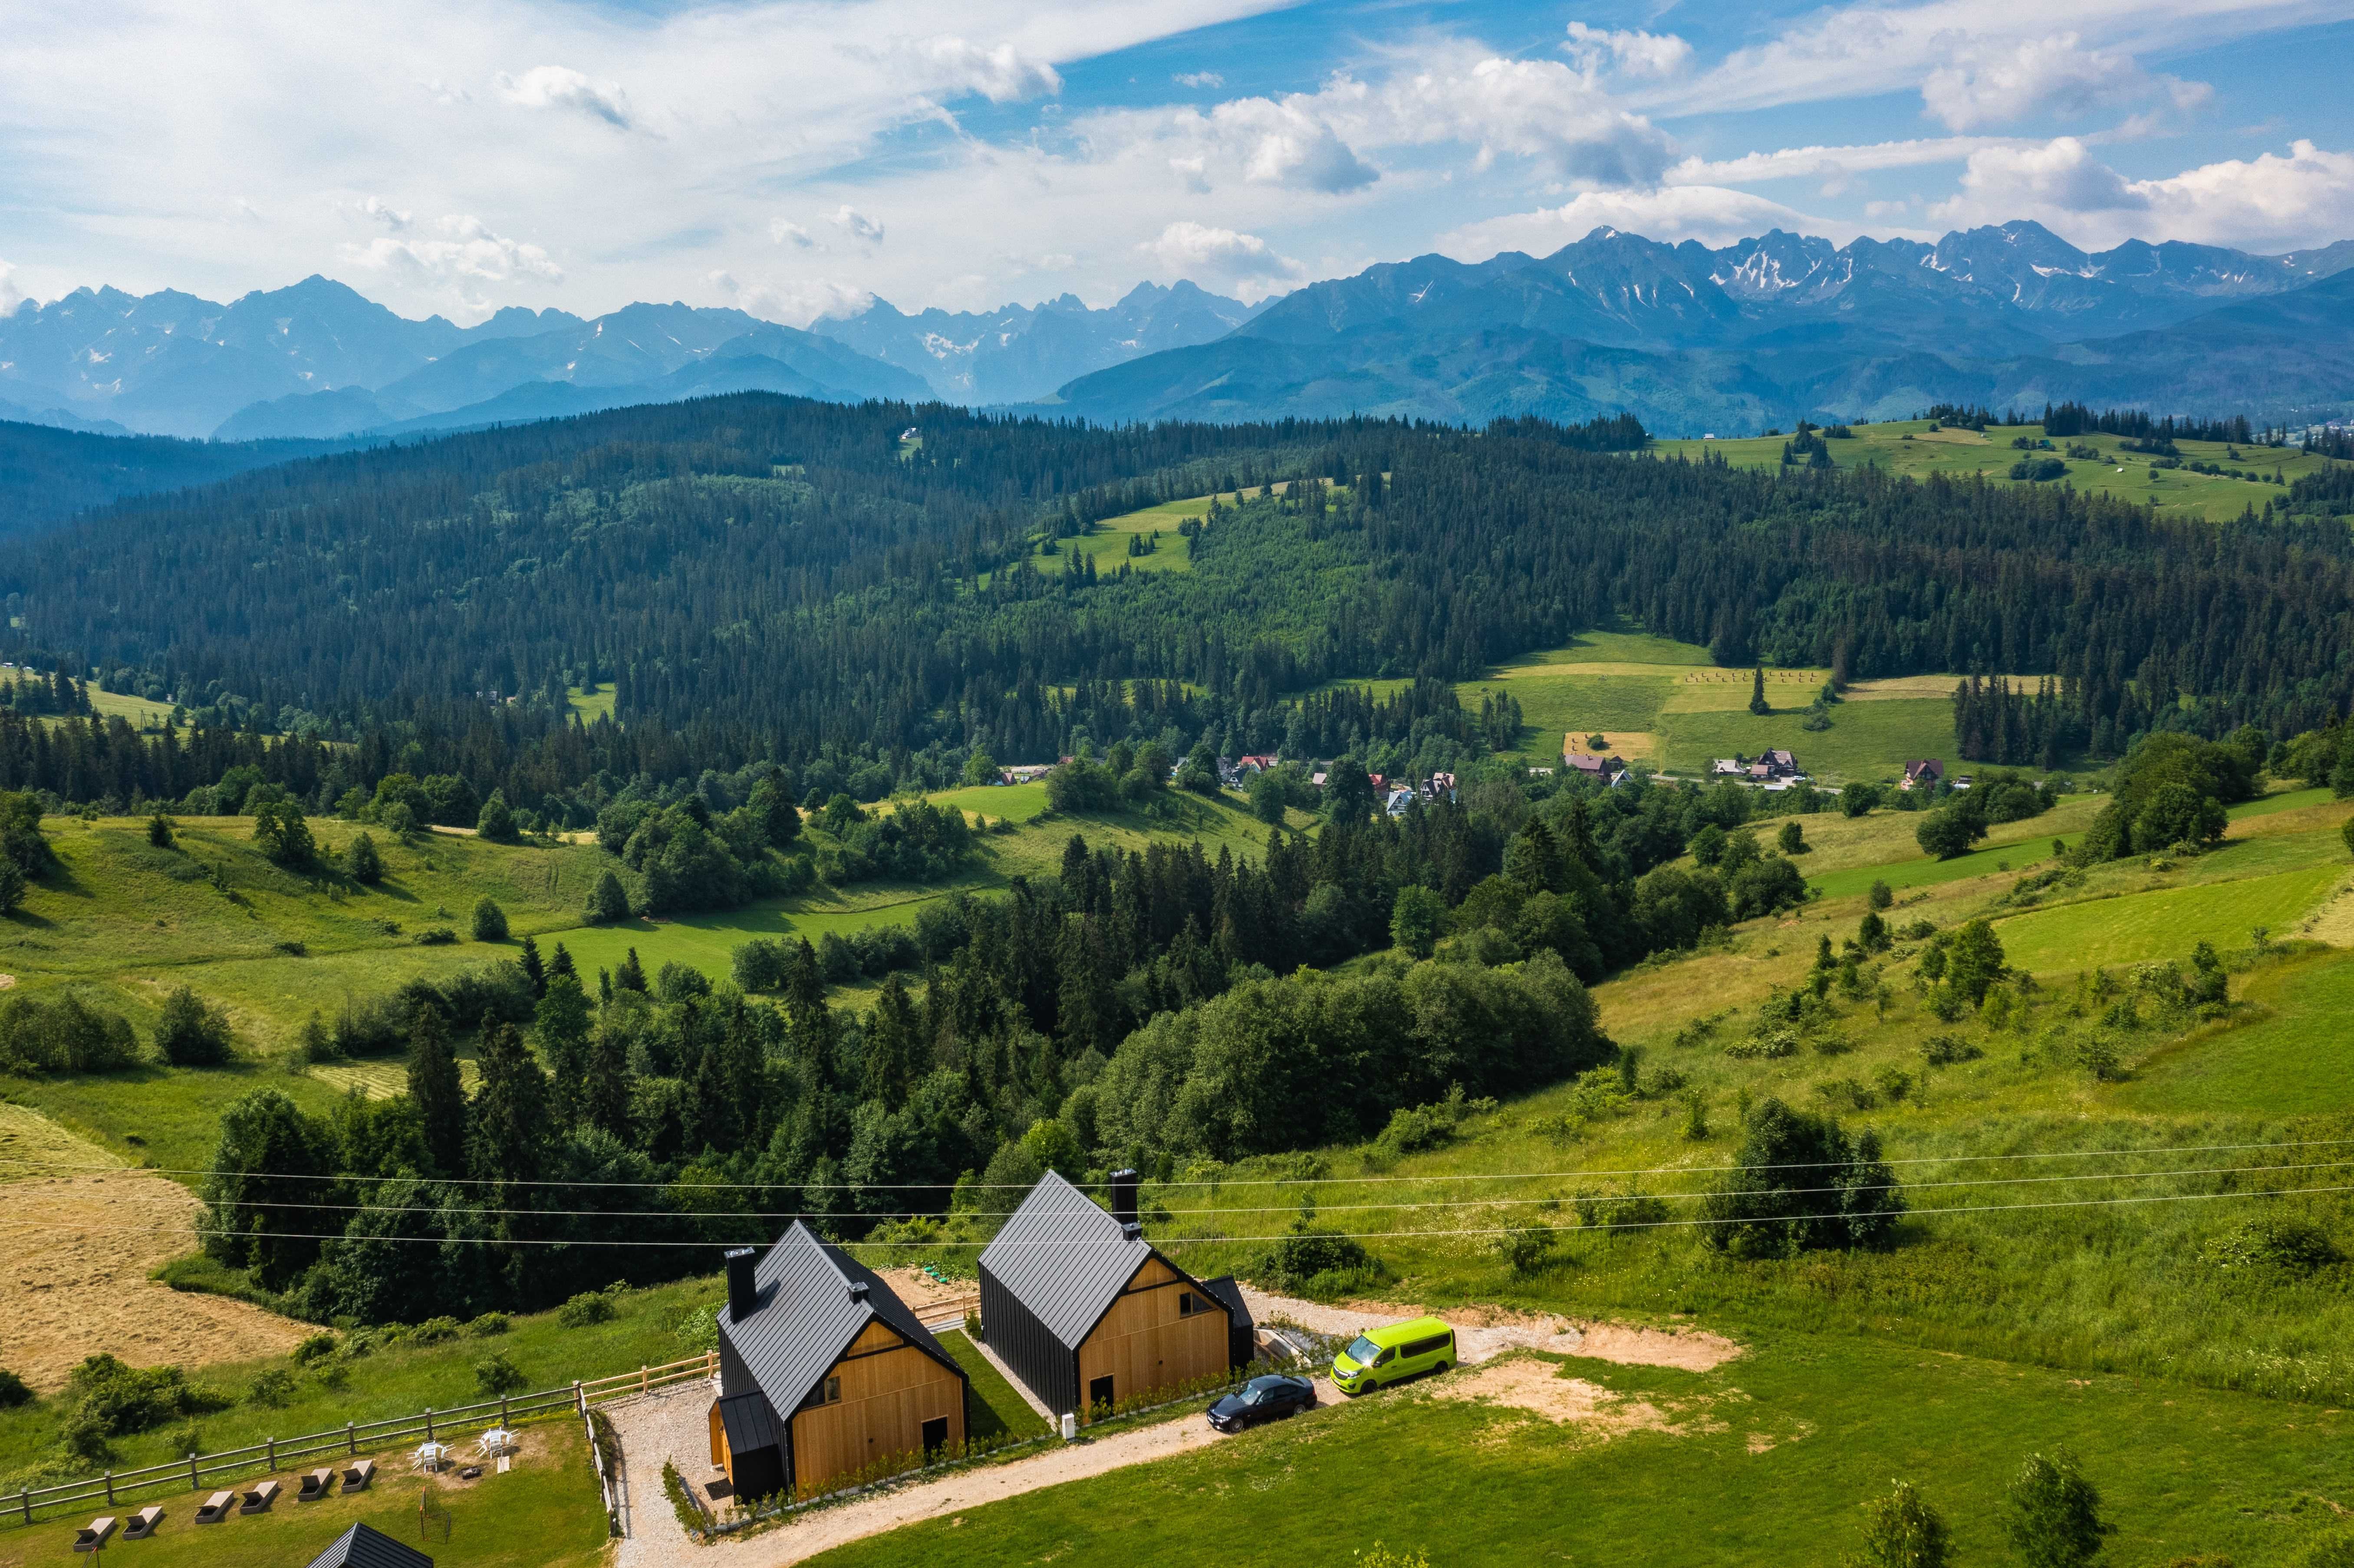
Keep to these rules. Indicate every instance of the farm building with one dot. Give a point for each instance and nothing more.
(1926, 773)
(823, 1372)
(1087, 1313)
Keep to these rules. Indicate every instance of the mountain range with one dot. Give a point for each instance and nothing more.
(1692, 339)
(1689, 338)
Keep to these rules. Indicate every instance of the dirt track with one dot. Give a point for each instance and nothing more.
(74, 1280)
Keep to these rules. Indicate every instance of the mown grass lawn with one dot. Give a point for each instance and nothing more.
(2141, 927)
(1002, 1409)
(1767, 1461)
(545, 1513)
(2298, 1059)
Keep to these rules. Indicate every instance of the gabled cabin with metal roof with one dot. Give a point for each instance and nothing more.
(823, 1372)
(1088, 1313)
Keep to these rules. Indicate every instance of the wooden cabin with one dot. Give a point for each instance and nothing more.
(1088, 1313)
(823, 1372)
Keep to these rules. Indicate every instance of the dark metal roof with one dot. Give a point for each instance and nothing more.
(807, 1317)
(362, 1547)
(750, 1422)
(1224, 1288)
(1064, 1257)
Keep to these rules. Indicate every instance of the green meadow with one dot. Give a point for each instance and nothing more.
(1911, 447)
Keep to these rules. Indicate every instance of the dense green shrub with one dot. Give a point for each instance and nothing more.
(191, 1033)
(490, 922)
(68, 1035)
(588, 1308)
(1801, 1182)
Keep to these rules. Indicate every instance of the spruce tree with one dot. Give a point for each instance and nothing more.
(362, 862)
(893, 1042)
(1757, 702)
(435, 1090)
(561, 1026)
(535, 969)
(508, 1116)
(561, 964)
(609, 901)
(606, 1088)
(629, 975)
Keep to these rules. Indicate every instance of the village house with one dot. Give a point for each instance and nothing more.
(1088, 1313)
(1593, 765)
(1925, 774)
(823, 1372)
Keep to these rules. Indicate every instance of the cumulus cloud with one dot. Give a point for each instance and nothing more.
(786, 232)
(1631, 53)
(1539, 109)
(466, 249)
(857, 224)
(2275, 201)
(1287, 143)
(562, 87)
(999, 72)
(2050, 75)
(794, 304)
(376, 210)
(1200, 79)
(1222, 257)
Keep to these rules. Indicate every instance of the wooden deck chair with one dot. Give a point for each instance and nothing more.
(95, 1535)
(258, 1498)
(357, 1476)
(143, 1523)
(216, 1507)
(316, 1485)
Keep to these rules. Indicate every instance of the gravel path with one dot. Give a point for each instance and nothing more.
(1484, 1332)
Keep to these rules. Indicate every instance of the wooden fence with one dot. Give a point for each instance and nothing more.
(350, 1440)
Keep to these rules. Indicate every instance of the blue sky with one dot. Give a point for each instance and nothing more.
(800, 158)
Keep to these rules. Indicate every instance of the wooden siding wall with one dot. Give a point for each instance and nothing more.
(889, 1389)
(1142, 1344)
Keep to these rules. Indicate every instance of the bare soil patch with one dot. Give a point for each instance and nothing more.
(924, 1295)
(74, 1281)
(1530, 1384)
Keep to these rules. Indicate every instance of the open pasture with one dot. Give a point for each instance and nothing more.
(2127, 475)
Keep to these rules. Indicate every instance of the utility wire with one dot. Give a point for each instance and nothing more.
(41, 1167)
(11, 1226)
(1289, 1208)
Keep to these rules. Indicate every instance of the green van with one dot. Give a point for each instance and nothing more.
(1389, 1354)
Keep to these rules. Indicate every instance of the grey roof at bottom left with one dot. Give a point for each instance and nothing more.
(362, 1547)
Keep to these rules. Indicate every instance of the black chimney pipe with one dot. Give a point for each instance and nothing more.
(743, 1296)
(1123, 1196)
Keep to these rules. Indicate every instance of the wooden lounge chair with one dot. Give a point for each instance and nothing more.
(357, 1476)
(316, 1485)
(258, 1498)
(216, 1507)
(94, 1534)
(143, 1523)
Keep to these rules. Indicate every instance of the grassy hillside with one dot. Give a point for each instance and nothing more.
(1910, 447)
(122, 924)
(1669, 704)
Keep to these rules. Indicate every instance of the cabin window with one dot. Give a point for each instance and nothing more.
(824, 1394)
(1188, 1304)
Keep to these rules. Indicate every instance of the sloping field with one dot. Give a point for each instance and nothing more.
(2143, 928)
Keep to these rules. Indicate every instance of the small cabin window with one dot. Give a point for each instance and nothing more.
(1188, 1304)
(826, 1393)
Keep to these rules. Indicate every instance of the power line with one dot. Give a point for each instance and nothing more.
(40, 1167)
(9, 1225)
(1289, 1208)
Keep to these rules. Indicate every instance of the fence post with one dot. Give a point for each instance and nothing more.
(271, 1446)
(429, 1424)
(193, 1485)
(352, 1438)
(641, 1378)
(580, 1399)
(503, 1410)
(110, 1488)
(29, 1503)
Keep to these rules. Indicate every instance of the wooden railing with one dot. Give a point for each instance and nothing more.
(350, 1440)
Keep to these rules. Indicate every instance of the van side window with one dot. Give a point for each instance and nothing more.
(1425, 1346)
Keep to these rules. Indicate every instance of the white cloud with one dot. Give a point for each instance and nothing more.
(999, 72)
(1200, 79)
(1830, 162)
(786, 232)
(1286, 143)
(794, 304)
(2273, 202)
(376, 210)
(2050, 75)
(857, 224)
(11, 296)
(467, 250)
(561, 86)
(1632, 53)
(1221, 258)
(1539, 109)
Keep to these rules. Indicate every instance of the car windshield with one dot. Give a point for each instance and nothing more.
(1363, 1352)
